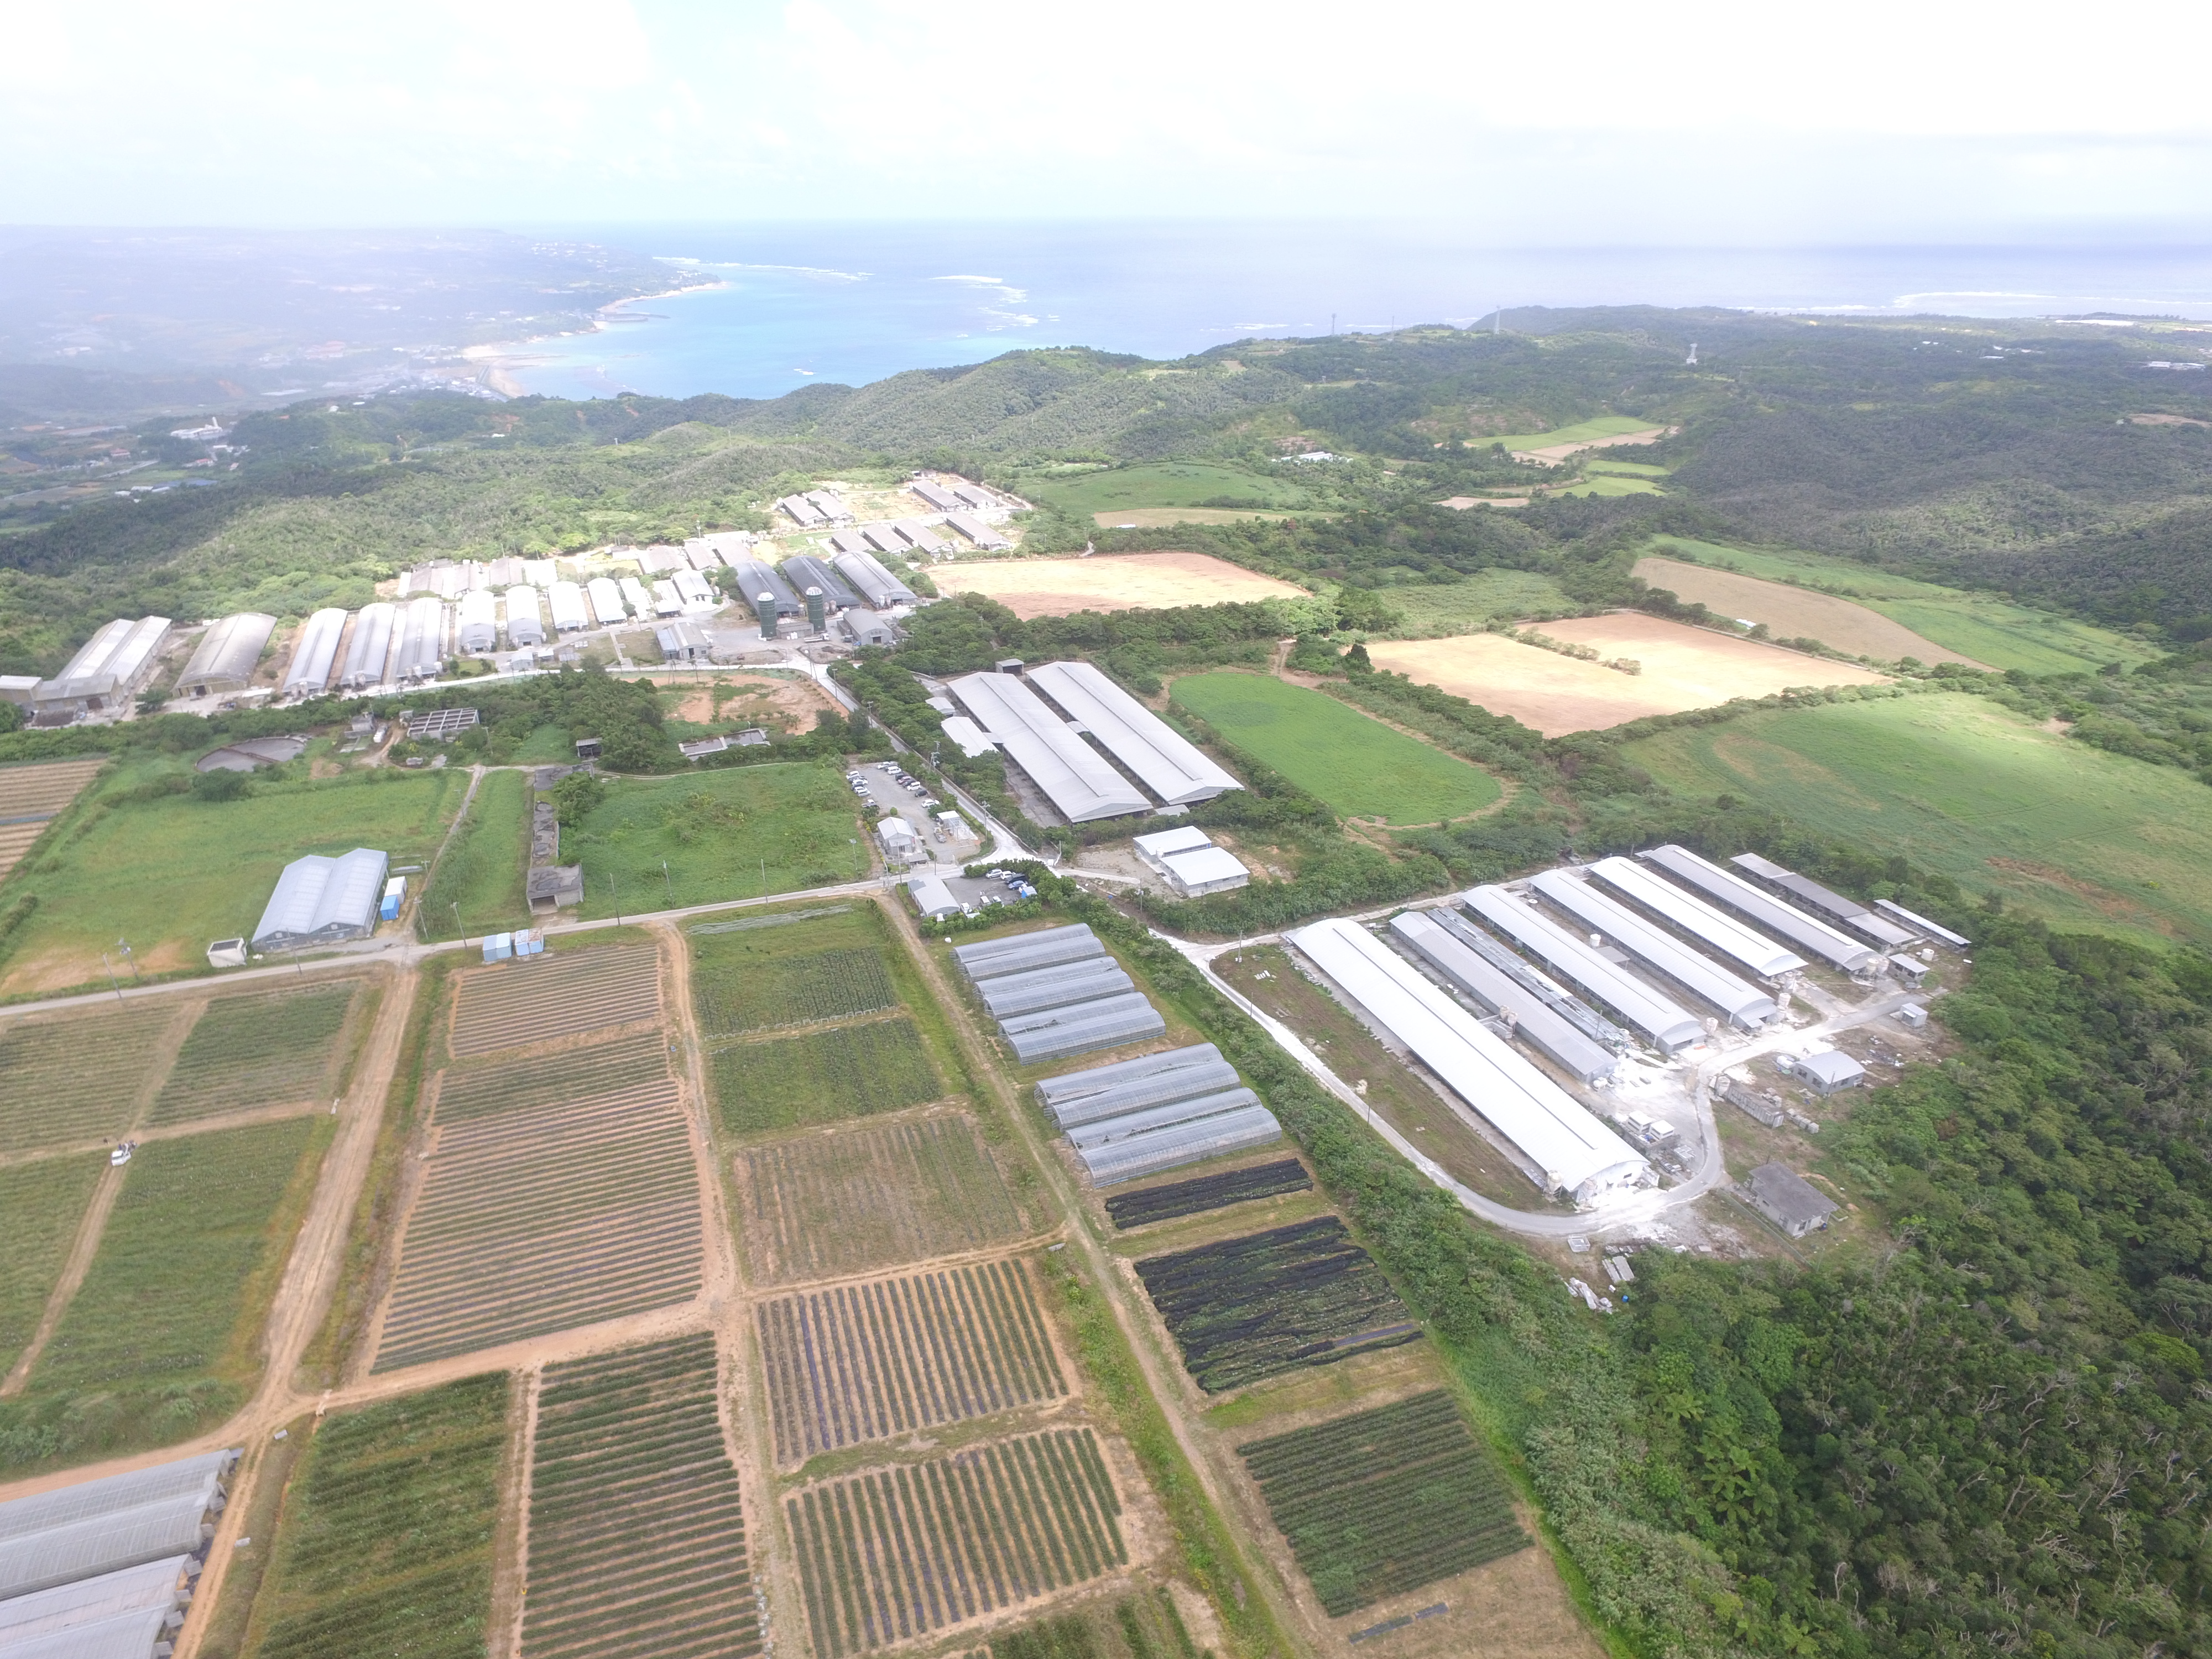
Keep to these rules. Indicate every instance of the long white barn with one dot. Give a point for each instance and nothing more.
(1168, 764)
(1076, 778)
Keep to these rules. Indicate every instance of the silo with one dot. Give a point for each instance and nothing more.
(818, 611)
(764, 608)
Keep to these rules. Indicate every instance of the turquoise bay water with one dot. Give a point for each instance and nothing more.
(796, 305)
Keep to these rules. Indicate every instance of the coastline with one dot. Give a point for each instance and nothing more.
(494, 359)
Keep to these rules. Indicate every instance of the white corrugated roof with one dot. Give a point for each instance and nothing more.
(1644, 1007)
(1695, 915)
(1787, 919)
(1075, 777)
(1745, 1004)
(1161, 842)
(1203, 865)
(315, 892)
(968, 735)
(315, 652)
(230, 649)
(1171, 765)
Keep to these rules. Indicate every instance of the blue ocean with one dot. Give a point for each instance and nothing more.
(792, 304)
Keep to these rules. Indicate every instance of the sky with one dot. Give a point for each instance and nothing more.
(1704, 123)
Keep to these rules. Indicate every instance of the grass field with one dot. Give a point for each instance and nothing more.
(1611, 483)
(847, 1070)
(1469, 606)
(162, 1339)
(42, 1062)
(43, 1202)
(1982, 626)
(266, 1048)
(1165, 484)
(484, 869)
(1124, 582)
(385, 1545)
(1966, 787)
(1582, 432)
(170, 874)
(1359, 766)
(730, 833)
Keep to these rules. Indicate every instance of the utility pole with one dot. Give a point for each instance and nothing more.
(665, 883)
(458, 928)
(110, 966)
(615, 887)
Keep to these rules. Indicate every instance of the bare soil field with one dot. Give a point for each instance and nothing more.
(1683, 668)
(512, 1005)
(1131, 581)
(756, 696)
(1794, 613)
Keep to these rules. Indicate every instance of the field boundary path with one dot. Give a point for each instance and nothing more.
(82, 1249)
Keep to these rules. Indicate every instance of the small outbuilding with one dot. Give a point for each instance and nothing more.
(227, 953)
(933, 897)
(323, 901)
(555, 887)
(899, 839)
(1824, 1071)
(683, 641)
(1786, 1200)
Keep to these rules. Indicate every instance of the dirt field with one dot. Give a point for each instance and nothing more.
(1132, 581)
(1794, 613)
(1552, 454)
(757, 695)
(1683, 668)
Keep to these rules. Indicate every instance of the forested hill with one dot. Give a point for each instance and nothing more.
(1996, 454)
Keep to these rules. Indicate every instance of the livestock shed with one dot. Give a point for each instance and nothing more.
(682, 640)
(865, 631)
(933, 897)
(1707, 923)
(936, 494)
(1519, 971)
(525, 624)
(566, 601)
(420, 650)
(726, 546)
(832, 507)
(1168, 764)
(872, 580)
(802, 512)
(634, 596)
(1933, 930)
(1825, 1070)
(315, 653)
(1644, 1007)
(975, 529)
(1823, 901)
(81, 1532)
(370, 647)
(885, 539)
(697, 593)
(1530, 1018)
(1079, 780)
(1786, 1200)
(1574, 1153)
(322, 901)
(803, 571)
(227, 655)
(107, 669)
(1743, 1003)
(1190, 862)
(607, 601)
(968, 737)
(918, 537)
(1727, 888)
(849, 541)
(666, 601)
(755, 577)
(476, 622)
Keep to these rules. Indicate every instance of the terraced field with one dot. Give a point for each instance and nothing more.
(1244, 1308)
(546, 1218)
(862, 1362)
(1385, 1501)
(512, 1004)
(856, 1200)
(894, 1554)
(846, 1071)
(637, 1539)
(1177, 1199)
(269, 1048)
(44, 1100)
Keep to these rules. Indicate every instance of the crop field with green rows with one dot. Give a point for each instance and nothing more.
(637, 1539)
(42, 1203)
(44, 1101)
(1177, 1199)
(162, 1339)
(1244, 1308)
(1132, 1627)
(890, 1554)
(512, 1005)
(1385, 1501)
(862, 1362)
(864, 1198)
(269, 1048)
(794, 991)
(612, 1066)
(846, 1071)
(385, 1545)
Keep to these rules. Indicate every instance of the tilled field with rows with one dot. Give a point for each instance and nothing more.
(860, 1199)
(269, 1048)
(512, 1005)
(603, 1068)
(790, 991)
(46, 1097)
(1243, 1309)
(637, 1539)
(1386, 1501)
(860, 1362)
(1177, 1199)
(894, 1554)
(32, 796)
(544, 1218)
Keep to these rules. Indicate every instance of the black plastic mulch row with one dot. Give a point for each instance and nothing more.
(1214, 1192)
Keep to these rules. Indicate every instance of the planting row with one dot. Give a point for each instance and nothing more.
(1244, 1308)
(1134, 1627)
(515, 1003)
(486, 1088)
(894, 1553)
(859, 1361)
(1385, 1501)
(856, 1200)
(788, 990)
(846, 1071)
(1215, 1191)
(546, 1218)
(637, 1539)
(49, 1097)
(266, 1049)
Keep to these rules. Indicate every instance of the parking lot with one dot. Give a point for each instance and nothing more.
(886, 785)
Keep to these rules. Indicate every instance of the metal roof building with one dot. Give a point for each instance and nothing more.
(1913, 919)
(1575, 1153)
(227, 655)
(1731, 889)
(634, 596)
(1520, 971)
(526, 623)
(976, 531)
(422, 648)
(1076, 778)
(607, 602)
(1786, 1200)
(1704, 921)
(885, 539)
(370, 647)
(936, 494)
(1844, 912)
(475, 622)
(321, 901)
(847, 541)
(1744, 1004)
(1533, 1020)
(566, 601)
(98, 1527)
(1644, 1007)
(1168, 764)
(107, 668)
(803, 571)
(314, 653)
(965, 735)
(919, 536)
(872, 581)
(697, 593)
(933, 897)
(755, 577)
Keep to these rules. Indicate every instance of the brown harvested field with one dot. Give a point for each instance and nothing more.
(32, 796)
(854, 1199)
(757, 695)
(1683, 668)
(1794, 613)
(508, 1005)
(1127, 581)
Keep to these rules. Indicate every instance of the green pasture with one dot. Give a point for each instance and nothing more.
(1626, 469)
(169, 874)
(1966, 788)
(732, 833)
(1165, 484)
(1983, 626)
(43, 1201)
(1360, 767)
(1582, 432)
(1434, 612)
(1610, 483)
(484, 867)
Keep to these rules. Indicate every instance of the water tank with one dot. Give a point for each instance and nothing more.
(817, 609)
(764, 608)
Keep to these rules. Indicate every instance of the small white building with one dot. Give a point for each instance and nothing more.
(607, 601)
(900, 841)
(1825, 1070)
(566, 600)
(666, 601)
(695, 594)
(1191, 863)
(933, 897)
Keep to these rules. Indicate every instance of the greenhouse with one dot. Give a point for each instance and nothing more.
(227, 655)
(98, 1527)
